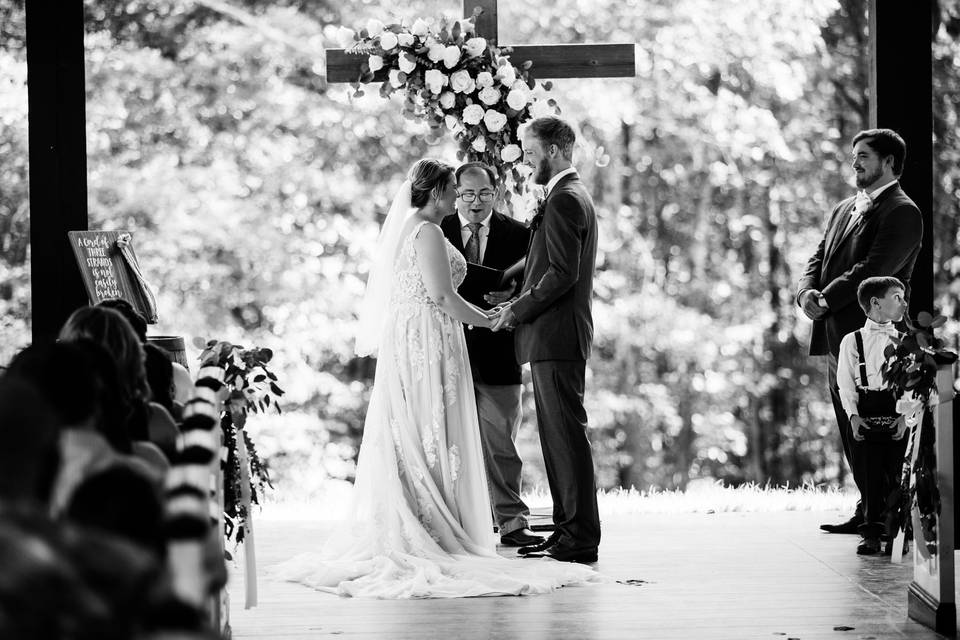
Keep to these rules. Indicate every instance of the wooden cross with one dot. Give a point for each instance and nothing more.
(549, 60)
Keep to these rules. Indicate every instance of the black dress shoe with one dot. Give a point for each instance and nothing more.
(561, 554)
(542, 546)
(520, 538)
(850, 526)
(868, 547)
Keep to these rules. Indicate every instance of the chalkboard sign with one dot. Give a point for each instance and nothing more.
(110, 269)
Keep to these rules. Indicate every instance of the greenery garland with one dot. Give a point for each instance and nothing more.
(911, 364)
(454, 82)
(250, 387)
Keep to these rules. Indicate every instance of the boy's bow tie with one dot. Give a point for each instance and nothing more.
(882, 328)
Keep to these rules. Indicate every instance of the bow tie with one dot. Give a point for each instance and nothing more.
(862, 204)
(887, 328)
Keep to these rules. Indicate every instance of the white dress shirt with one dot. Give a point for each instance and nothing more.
(484, 232)
(876, 337)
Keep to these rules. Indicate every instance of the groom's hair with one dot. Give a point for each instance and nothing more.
(427, 178)
(886, 142)
(876, 287)
(553, 130)
(477, 167)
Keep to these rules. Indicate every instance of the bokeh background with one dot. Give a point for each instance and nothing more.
(255, 191)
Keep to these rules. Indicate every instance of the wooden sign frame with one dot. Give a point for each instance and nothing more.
(107, 273)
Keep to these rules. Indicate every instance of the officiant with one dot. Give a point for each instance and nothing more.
(492, 242)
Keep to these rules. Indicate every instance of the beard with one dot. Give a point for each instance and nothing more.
(867, 178)
(542, 175)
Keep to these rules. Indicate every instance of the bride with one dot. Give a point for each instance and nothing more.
(421, 525)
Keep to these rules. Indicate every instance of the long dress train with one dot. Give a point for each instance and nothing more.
(421, 524)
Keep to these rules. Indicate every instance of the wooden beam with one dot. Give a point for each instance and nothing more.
(56, 101)
(549, 61)
(901, 91)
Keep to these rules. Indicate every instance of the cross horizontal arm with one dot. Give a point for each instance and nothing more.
(549, 61)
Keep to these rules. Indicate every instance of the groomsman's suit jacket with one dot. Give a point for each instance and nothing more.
(492, 353)
(553, 311)
(884, 243)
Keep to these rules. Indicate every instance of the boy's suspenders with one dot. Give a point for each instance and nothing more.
(858, 335)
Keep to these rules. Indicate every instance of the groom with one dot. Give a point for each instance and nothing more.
(554, 334)
(489, 238)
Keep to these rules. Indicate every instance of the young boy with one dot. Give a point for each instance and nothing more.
(878, 419)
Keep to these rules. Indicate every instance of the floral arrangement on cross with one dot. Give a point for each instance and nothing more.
(456, 81)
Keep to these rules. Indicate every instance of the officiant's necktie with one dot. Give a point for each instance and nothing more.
(472, 250)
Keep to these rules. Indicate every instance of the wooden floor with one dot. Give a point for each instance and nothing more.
(730, 576)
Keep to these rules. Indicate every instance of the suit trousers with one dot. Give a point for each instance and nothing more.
(883, 465)
(499, 410)
(558, 391)
(857, 466)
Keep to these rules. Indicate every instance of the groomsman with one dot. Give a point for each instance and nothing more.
(877, 232)
(491, 239)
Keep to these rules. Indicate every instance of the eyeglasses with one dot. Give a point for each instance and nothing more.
(470, 196)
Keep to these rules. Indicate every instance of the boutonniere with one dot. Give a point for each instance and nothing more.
(538, 216)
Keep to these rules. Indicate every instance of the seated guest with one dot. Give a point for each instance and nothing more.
(146, 420)
(137, 322)
(160, 378)
(29, 457)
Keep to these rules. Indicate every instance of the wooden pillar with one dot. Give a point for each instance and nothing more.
(56, 98)
(901, 90)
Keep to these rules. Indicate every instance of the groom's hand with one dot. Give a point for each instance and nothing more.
(810, 303)
(497, 298)
(506, 319)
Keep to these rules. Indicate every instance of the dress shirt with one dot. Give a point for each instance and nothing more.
(876, 337)
(856, 213)
(484, 232)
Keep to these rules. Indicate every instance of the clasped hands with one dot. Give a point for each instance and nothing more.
(813, 303)
(859, 426)
(501, 317)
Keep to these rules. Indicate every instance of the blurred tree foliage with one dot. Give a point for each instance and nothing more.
(255, 192)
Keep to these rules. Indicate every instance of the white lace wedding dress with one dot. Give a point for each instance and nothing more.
(422, 526)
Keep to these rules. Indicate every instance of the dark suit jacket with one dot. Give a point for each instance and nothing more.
(492, 357)
(554, 321)
(885, 243)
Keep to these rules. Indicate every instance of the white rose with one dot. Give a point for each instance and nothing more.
(436, 52)
(489, 96)
(374, 27)
(405, 39)
(461, 82)
(484, 79)
(451, 56)
(395, 80)
(510, 153)
(479, 144)
(507, 74)
(435, 80)
(453, 124)
(375, 62)
(518, 98)
(540, 108)
(420, 27)
(407, 63)
(494, 120)
(466, 26)
(475, 46)
(389, 40)
(345, 37)
(447, 99)
(473, 114)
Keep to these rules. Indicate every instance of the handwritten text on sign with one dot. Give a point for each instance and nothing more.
(97, 256)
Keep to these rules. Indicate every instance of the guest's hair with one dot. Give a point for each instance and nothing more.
(30, 455)
(78, 381)
(134, 317)
(477, 167)
(428, 177)
(876, 287)
(553, 130)
(159, 376)
(111, 330)
(886, 142)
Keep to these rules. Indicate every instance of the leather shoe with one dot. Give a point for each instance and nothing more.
(868, 547)
(850, 526)
(520, 538)
(541, 546)
(561, 554)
